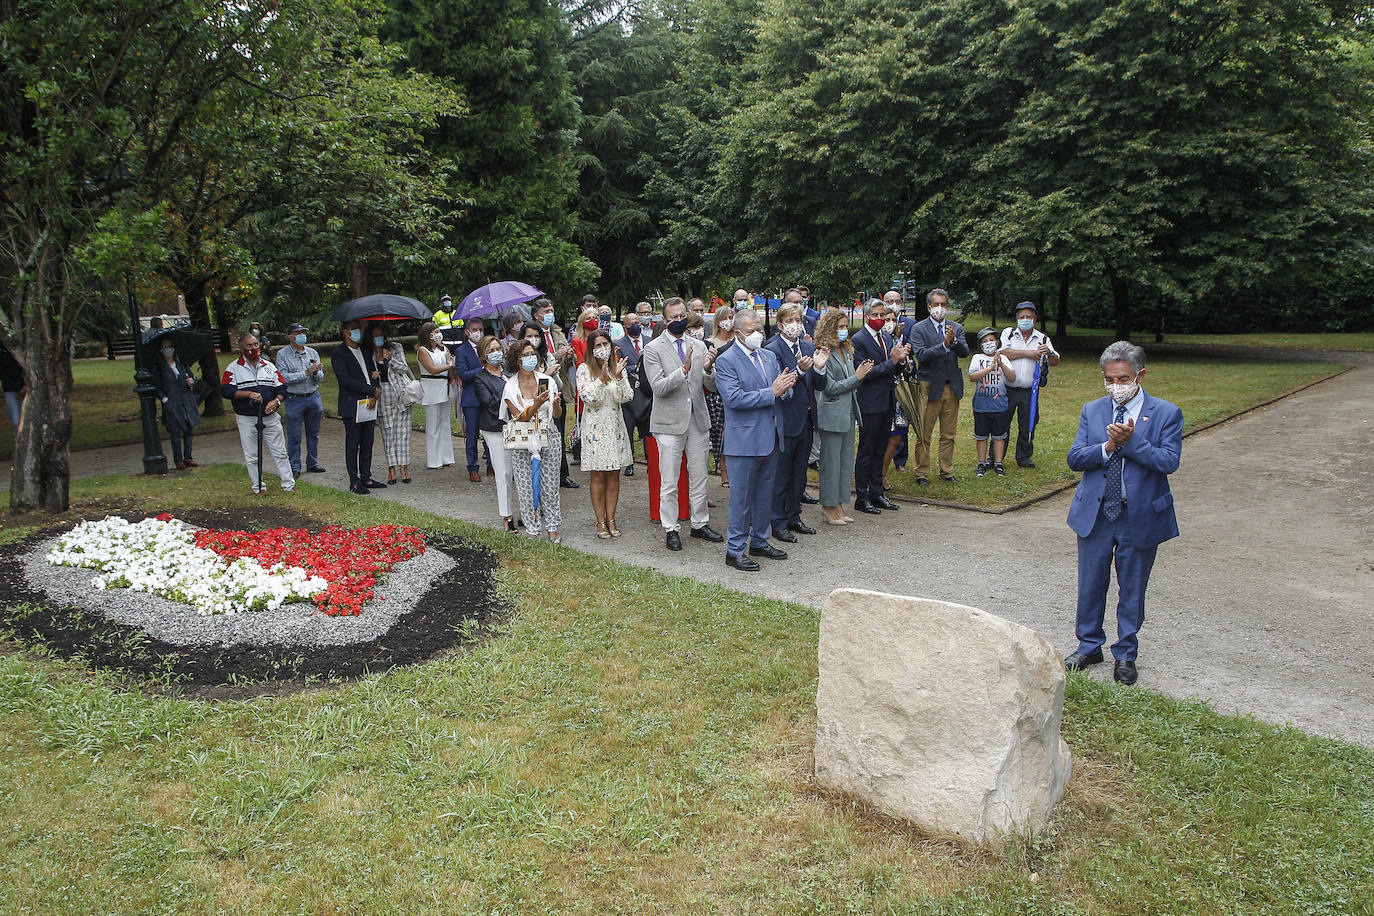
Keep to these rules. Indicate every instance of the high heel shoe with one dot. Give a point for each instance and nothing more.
(603, 530)
(405, 473)
(611, 527)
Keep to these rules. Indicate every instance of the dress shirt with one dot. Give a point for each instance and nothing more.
(291, 364)
(1133, 407)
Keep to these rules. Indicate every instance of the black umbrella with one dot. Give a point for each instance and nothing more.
(191, 344)
(382, 307)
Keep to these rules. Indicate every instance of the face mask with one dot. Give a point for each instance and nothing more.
(1025, 324)
(591, 324)
(888, 326)
(446, 305)
(741, 304)
(677, 326)
(517, 329)
(547, 319)
(1123, 393)
(379, 342)
(602, 353)
(634, 330)
(792, 330)
(698, 333)
(251, 355)
(528, 363)
(494, 357)
(300, 340)
(805, 303)
(842, 335)
(989, 347)
(355, 335)
(726, 324)
(168, 351)
(436, 337)
(754, 340)
(603, 321)
(475, 334)
(875, 323)
(938, 313)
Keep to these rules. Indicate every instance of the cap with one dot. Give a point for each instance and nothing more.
(986, 332)
(296, 326)
(1025, 305)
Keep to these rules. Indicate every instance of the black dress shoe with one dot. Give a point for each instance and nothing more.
(1078, 661)
(568, 483)
(769, 551)
(1124, 673)
(882, 502)
(950, 479)
(630, 471)
(360, 489)
(782, 534)
(673, 541)
(317, 469)
(922, 481)
(707, 533)
(862, 506)
(1028, 465)
(801, 528)
(809, 500)
(741, 562)
(375, 485)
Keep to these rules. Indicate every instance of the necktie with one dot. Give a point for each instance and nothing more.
(637, 346)
(881, 344)
(758, 364)
(1111, 496)
(796, 353)
(681, 354)
(548, 340)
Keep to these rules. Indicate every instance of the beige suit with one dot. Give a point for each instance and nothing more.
(680, 422)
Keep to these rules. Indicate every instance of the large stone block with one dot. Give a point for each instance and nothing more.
(940, 714)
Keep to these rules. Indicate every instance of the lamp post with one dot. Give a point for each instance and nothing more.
(154, 462)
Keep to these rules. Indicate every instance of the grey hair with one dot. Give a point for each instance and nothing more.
(1123, 351)
(936, 292)
(868, 306)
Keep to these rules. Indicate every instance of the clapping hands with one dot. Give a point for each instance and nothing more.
(784, 382)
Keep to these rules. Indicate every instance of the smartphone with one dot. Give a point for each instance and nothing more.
(543, 386)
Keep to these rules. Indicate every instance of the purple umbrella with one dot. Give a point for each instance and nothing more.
(495, 296)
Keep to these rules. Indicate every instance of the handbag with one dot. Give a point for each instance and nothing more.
(526, 434)
(412, 393)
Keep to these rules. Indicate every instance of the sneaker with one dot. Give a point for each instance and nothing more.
(999, 470)
(982, 469)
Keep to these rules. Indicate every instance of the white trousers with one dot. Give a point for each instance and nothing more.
(273, 441)
(500, 466)
(670, 448)
(438, 434)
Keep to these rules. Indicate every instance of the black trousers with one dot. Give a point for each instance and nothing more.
(1019, 400)
(789, 479)
(868, 459)
(358, 449)
(560, 421)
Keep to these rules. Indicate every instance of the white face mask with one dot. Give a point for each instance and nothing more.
(436, 338)
(792, 330)
(888, 326)
(989, 347)
(1123, 393)
(698, 333)
(726, 324)
(753, 340)
(602, 353)
(938, 312)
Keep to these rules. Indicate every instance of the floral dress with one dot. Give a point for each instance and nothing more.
(605, 442)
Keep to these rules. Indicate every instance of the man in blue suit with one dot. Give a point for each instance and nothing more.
(877, 407)
(753, 388)
(469, 363)
(799, 419)
(1128, 444)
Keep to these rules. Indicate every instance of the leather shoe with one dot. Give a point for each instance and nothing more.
(741, 562)
(568, 483)
(1028, 465)
(808, 500)
(950, 479)
(474, 477)
(782, 534)
(1124, 673)
(707, 533)
(630, 470)
(882, 502)
(376, 485)
(801, 528)
(317, 469)
(922, 481)
(1078, 661)
(769, 551)
(673, 541)
(360, 489)
(862, 506)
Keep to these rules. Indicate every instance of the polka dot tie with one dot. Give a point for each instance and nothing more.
(1111, 497)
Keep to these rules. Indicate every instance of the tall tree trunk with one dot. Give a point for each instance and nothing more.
(198, 307)
(1121, 303)
(1061, 320)
(359, 278)
(41, 475)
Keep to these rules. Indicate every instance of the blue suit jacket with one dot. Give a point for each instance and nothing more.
(875, 394)
(752, 415)
(1150, 457)
(469, 364)
(934, 363)
(354, 386)
(799, 411)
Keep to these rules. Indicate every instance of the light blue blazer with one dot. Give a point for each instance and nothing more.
(754, 420)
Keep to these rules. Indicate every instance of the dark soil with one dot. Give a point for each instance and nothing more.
(457, 609)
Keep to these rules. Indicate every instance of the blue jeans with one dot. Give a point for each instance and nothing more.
(308, 410)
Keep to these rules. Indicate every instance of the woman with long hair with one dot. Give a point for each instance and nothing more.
(393, 408)
(604, 389)
(531, 395)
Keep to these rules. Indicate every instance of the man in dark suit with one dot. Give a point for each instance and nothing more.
(799, 419)
(469, 363)
(359, 380)
(810, 315)
(939, 344)
(638, 409)
(1128, 444)
(877, 407)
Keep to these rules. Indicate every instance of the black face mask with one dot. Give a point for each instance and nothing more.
(677, 327)
(634, 330)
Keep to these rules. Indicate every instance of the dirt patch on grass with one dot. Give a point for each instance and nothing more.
(458, 608)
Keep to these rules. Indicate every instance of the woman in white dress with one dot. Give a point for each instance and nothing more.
(604, 388)
(436, 366)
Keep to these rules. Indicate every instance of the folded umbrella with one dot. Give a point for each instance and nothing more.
(382, 307)
(495, 296)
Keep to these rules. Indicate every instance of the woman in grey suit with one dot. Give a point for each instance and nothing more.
(837, 414)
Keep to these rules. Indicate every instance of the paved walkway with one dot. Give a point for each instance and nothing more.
(1262, 606)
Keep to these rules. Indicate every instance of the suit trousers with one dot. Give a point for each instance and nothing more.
(946, 410)
(837, 467)
(473, 436)
(1019, 400)
(358, 448)
(1110, 542)
(751, 501)
(868, 465)
(789, 479)
(670, 451)
(560, 421)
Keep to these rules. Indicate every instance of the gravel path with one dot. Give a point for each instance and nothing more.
(1258, 607)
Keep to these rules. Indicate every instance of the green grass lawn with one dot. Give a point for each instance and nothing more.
(628, 743)
(1350, 340)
